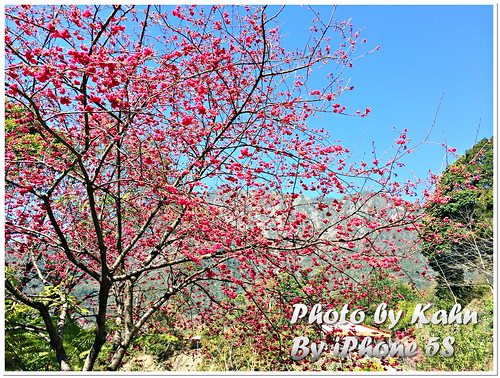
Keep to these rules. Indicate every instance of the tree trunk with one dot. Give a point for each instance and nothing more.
(129, 329)
(56, 335)
(101, 333)
(120, 351)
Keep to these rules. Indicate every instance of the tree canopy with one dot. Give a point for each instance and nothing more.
(171, 171)
(458, 227)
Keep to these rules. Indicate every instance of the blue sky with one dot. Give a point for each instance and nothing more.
(425, 51)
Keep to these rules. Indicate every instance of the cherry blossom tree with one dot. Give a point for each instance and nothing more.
(155, 154)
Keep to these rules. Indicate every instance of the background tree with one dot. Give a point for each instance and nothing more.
(172, 160)
(458, 227)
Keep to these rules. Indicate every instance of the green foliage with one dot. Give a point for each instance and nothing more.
(458, 228)
(25, 350)
(402, 297)
(77, 343)
(26, 346)
(473, 346)
(18, 140)
(23, 137)
(161, 345)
